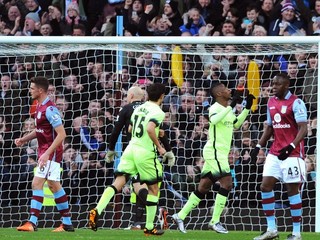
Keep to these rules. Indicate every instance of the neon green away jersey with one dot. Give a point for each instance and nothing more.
(142, 115)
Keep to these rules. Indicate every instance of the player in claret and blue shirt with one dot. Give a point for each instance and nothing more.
(50, 134)
(287, 123)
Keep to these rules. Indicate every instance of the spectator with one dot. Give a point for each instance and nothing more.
(73, 21)
(78, 30)
(186, 114)
(132, 11)
(287, 24)
(13, 21)
(310, 16)
(309, 90)
(71, 174)
(227, 28)
(31, 25)
(46, 30)
(73, 91)
(251, 20)
(193, 21)
(11, 105)
(174, 20)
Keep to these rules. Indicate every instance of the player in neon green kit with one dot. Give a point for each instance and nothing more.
(141, 157)
(216, 167)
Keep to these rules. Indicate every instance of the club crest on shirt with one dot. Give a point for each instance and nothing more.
(39, 115)
(284, 109)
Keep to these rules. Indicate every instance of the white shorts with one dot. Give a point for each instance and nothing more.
(291, 170)
(50, 172)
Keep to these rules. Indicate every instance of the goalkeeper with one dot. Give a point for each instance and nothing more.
(135, 97)
(215, 153)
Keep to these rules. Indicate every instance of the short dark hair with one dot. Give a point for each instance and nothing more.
(155, 91)
(41, 82)
(214, 85)
(283, 76)
(81, 27)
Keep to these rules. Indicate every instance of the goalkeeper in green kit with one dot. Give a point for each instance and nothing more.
(215, 153)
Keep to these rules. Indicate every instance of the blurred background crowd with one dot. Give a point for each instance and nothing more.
(89, 91)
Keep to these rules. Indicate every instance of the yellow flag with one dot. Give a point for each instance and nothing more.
(253, 82)
(176, 66)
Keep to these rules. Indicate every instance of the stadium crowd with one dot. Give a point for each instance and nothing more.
(83, 87)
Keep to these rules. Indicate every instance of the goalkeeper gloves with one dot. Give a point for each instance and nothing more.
(286, 151)
(170, 157)
(110, 156)
(236, 98)
(249, 101)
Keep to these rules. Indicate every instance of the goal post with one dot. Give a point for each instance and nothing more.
(90, 63)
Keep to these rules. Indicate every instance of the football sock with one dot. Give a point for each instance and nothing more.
(61, 200)
(108, 193)
(151, 207)
(142, 195)
(296, 212)
(36, 205)
(268, 205)
(139, 210)
(219, 205)
(192, 202)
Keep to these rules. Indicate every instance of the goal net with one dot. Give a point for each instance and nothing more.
(89, 79)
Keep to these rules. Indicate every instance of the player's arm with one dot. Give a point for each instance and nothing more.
(300, 115)
(168, 156)
(118, 126)
(215, 117)
(165, 142)
(243, 115)
(23, 140)
(151, 130)
(241, 118)
(267, 133)
(61, 135)
(54, 118)
(303, 130)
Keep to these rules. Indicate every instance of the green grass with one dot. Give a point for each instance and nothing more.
(85, 234)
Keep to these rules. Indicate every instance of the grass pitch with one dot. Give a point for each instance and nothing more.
(86, 234)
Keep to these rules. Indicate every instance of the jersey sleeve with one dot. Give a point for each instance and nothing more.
(118, 126)
(217, 114)
(157, 118)
(269, 121)
(299, 111)
(53, 116)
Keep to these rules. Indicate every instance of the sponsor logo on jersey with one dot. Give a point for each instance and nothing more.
(273, 107)
(278, 125)
(228, 124)
(39, 130)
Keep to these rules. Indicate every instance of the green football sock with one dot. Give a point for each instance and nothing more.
(151, 208)
(105, 199)
(192, 202)
(219, 205)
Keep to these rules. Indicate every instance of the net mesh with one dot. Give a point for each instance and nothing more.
(89, 88)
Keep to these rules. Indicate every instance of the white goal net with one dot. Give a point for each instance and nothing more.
(89, 79)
